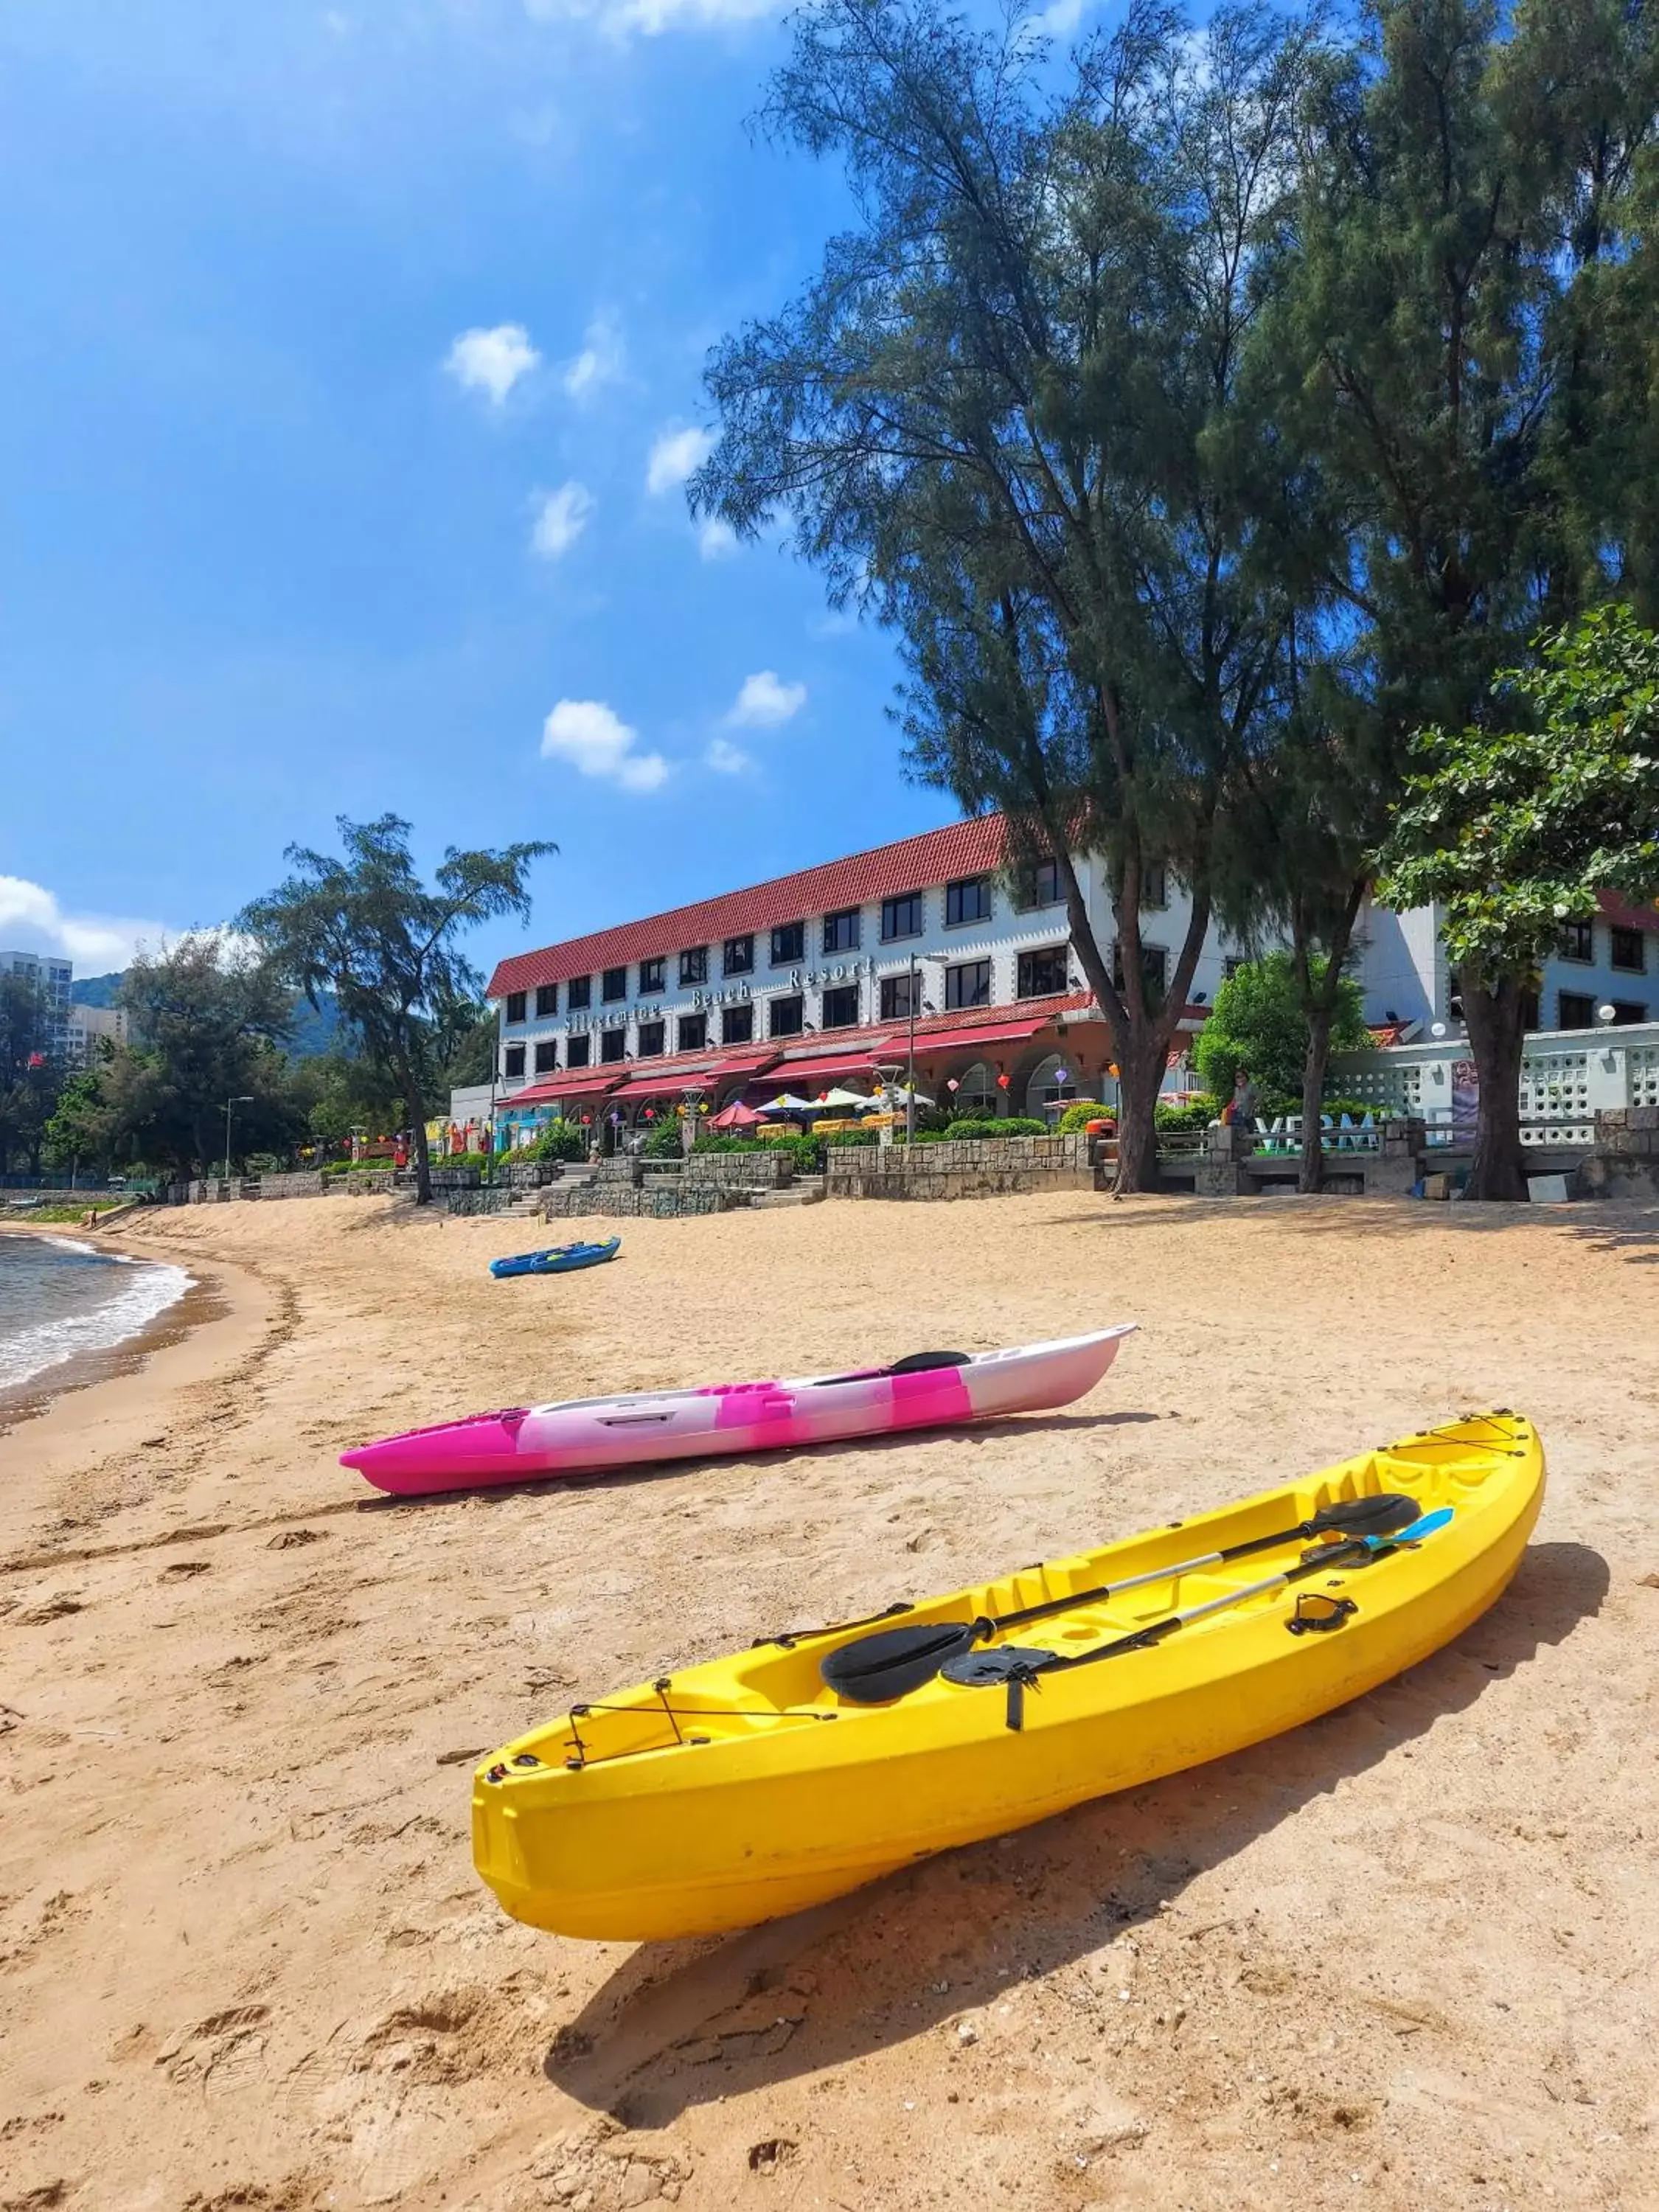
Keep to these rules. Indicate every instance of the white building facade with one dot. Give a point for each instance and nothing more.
(51, 977)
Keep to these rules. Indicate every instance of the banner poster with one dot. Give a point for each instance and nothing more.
(1466, 1097)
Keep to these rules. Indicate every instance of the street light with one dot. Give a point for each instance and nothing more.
(917, 1004)
(245, 1099)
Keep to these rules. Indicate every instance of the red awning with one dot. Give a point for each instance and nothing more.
(579, 1083)
(987, 1033)
(857, 1060)
(660, 1079)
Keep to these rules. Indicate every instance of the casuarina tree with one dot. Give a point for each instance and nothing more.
(1516, 825)
(1014, 413)
(366, 928)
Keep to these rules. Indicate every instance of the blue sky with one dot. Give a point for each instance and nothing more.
(353, 362)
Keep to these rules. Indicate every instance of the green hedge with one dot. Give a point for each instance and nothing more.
(1197, 1114)
(1078, 1116)
(559, 1140)
(1006, 1125)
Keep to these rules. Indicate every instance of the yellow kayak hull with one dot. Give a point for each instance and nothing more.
(744, 1790)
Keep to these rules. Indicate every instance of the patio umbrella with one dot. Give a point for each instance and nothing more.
(737, 1115)
(788, 1103)
(840, 1097)
(897, 1095)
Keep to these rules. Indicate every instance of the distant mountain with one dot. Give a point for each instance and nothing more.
(316, 1030)
(95, 990)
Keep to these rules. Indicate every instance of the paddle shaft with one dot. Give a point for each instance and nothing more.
(1054, 1605)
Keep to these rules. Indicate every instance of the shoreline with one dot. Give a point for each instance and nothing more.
(33, 1395)
(106, 1403)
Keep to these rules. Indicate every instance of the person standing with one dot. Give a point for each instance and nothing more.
(1243, 1113)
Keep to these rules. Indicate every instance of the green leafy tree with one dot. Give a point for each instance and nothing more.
(1511, 827)
(1015, 413)
(366, 928)
(1261, 1024)
(206, 1022)
(31, 1072)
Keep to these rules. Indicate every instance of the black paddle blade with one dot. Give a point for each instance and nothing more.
(974, 1670)
(1367, 1516)
(879, 1669)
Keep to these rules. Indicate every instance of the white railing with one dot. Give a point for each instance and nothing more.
(1566, 1075)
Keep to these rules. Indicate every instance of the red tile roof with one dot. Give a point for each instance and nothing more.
(936, 856)
(1626, 916)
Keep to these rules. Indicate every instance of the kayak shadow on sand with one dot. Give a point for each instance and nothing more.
(681, 2024)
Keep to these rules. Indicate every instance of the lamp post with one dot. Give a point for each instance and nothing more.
(246, 1099)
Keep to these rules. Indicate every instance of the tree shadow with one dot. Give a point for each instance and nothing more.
(861, 1447)
(678, 2024)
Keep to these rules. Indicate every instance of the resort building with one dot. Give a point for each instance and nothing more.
(929, 952)
(51, 977)
(86, 1025)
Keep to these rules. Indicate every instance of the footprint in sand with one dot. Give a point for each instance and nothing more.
(223, 2051)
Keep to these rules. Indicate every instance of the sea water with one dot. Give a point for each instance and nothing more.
(60, 1299)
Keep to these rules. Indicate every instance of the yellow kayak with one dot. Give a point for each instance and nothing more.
(754, 1786)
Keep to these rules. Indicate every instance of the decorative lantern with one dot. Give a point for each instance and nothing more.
(1061, 1076)
(1002, 1083)
(951, 1083)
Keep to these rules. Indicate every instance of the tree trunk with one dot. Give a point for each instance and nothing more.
(1139, 1082)
(415, 1107)
(1310, 1174)
(1496, 1021)
(1320, 1007)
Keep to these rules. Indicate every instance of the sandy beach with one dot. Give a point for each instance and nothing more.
(1406, 1956)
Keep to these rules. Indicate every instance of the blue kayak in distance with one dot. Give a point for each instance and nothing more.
(557, 1260)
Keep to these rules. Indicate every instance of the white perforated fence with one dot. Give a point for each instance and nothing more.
(1566, 1076)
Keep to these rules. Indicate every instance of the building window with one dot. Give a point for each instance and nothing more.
(694, 964)
(547, 1058)
(1230, 966)
(693, 1032)
(1042, 974)
(841, 931)
(1038, 885)
(969, 900)
(738, 1026)
(969, 985)
(1627, 950)
(651, 1040)
(841, 1007)
(578, 993)
(516, 1005)
(789, 944)
(513, 1063)
(547, 1001)
(1154, 969)
(1626, 1011)
(786, 1017)
(578, 1050)
(613, 1045)
(1577, 941)
(901, 995)
(613, 985)
(737, 956)
(1574, 1010)
(901, 917)
(653, 976)
(1154, 885)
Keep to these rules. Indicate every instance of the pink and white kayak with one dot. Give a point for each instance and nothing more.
(590, 1435)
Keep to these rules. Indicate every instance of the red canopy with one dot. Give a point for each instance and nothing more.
(737, 1115)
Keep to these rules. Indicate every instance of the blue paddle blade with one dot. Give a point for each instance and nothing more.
(1425, 1527)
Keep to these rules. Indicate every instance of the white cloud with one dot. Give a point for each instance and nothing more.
(32, 921)
(492, 361)
(1057, 20)
(728, 758)
(620, 18)
(674, 456)
(561, 518)
(716, 540)
(598, 363)
(764, 702)
(597, 742)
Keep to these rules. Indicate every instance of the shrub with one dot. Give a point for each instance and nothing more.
(1078, 1116)
(1196, 1113)
(1258, 1024)
(1009, 1125)
(559, 1140)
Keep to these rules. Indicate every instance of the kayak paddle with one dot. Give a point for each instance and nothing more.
(879, 1669)
(1022, 1670)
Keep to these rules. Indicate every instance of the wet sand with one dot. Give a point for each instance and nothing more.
(1405, 1956)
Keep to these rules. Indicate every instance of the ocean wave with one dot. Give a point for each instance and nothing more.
(149, 1287)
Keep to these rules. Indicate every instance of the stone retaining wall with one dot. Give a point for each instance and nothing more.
(738, 1170)
(665, 1197)
(303, 1185)
(970, 1167)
